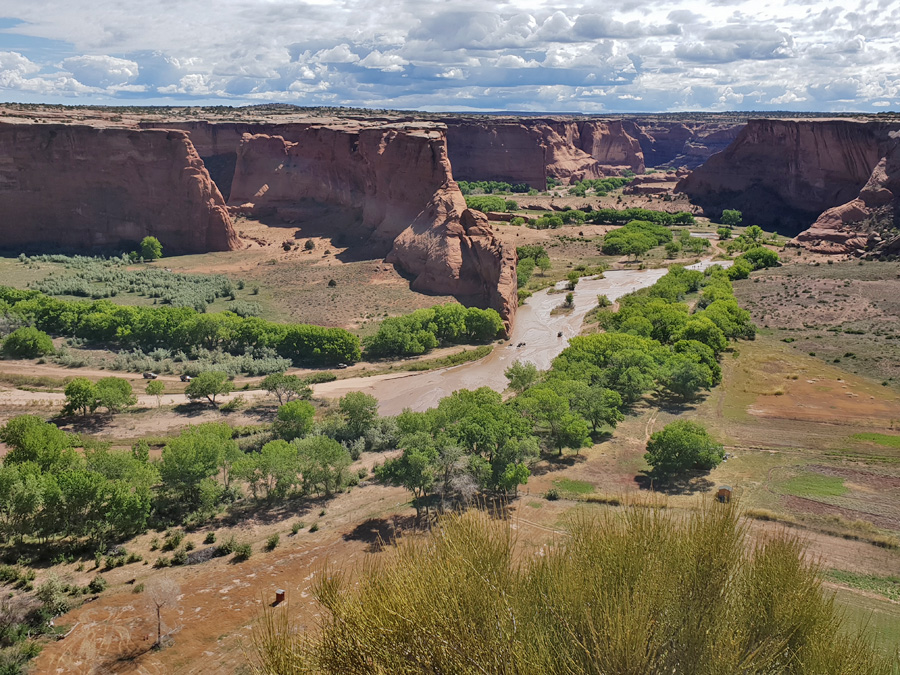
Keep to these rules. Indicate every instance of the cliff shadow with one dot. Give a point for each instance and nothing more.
(342, 227)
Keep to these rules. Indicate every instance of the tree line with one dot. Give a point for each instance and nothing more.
(178, 328)
(424, 329)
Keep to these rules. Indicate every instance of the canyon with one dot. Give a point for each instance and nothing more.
(836, 177)
(91, 180)
(85, 188)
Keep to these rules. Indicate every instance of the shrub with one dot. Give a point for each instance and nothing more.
(272, 542)
(97, 585)
(27, 343)
(210, 538)
(698, 597)
(242, 551)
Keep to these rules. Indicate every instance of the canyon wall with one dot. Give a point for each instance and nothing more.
(531, 150)
(868, 223)
(393, 183)
(86, 188)
(784, 173)
(685, 143)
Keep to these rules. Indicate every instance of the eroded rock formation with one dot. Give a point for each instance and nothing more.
(529, 151)
(784, 173)
(393, 184)
(86, 188)
(865, 224)
(667, 144)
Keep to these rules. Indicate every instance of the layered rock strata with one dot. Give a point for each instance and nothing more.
(866, 224)
(784, 173)
(394, 184)
(86, 188)
(529, 151)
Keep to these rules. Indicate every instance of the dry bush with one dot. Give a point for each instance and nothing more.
(640, 591)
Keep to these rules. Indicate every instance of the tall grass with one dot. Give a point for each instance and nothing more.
(632, 591)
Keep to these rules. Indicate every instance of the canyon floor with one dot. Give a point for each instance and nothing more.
(794, 424)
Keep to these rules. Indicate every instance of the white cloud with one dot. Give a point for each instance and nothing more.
(338, 54)
(388, 63)
(101, 71)
(484, 54)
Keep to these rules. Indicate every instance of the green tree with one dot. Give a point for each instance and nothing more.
(760, 257)
(551, 410)
(521, 376)
(155, 388)
(573, 278)
(32, 440)
(416, 469)
(192, 457)
(273, 472)
(360, 412)
(681, 446)
(754, 233)
(684, 378)
(544, 264)
(702, 329)
(286, 387)
(323, 463)
(294, 420)
(27, 343)
(81, 397)
(672, 249)
(208, 384)
(724, 233)
(115, 393)
(598, 405)
(731, 217)
(151, 249)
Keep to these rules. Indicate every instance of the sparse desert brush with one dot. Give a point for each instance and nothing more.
(630, 591)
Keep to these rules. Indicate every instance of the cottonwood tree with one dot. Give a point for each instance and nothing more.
(156, 388)
(208, 385)
(286, 387)
(681, 446)
(521, 376)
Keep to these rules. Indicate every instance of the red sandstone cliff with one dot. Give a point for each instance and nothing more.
(83, 188)
(395, 183)
(785, 173)
(531, 150)
(861, 225)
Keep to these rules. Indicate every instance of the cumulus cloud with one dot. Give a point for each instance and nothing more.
(101, 71)
(635, 55)
(388, 63)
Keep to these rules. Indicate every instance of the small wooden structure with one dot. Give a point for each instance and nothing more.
(279, 596)
(723, 494)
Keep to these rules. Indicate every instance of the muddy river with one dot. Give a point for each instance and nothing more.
(535, 329)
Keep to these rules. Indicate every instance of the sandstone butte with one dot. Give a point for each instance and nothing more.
(840, 175)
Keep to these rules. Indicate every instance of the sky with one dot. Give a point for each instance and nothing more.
(457, 55)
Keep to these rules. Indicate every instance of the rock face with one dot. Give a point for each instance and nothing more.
(784, 173)
(531, 150)
(86, 188)
(391, 184)
(860, 225)
(675, 144)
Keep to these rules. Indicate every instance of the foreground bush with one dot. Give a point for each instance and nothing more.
(635, 591)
